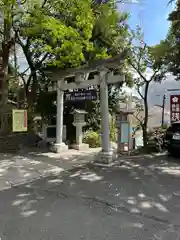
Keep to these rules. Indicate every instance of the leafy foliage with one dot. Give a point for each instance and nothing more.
(66, 34)
(170, 47)
(7, 9)
(148, 67)
(92, 138)
(71, 32)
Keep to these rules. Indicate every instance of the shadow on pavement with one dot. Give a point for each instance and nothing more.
(22, 167)
(144, 191)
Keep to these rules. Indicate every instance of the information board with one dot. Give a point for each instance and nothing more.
(174, 108)
(125, 132)
(19, 120)
(80, 94)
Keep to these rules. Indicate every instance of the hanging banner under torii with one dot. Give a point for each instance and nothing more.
(19, 120)
(174, 108)
(81, 94)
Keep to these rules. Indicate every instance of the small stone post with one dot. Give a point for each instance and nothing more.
(79, 123)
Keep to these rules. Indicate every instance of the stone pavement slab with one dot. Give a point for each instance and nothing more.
(28, 166)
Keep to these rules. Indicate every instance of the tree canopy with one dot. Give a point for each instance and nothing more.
(147, 68)
(68, 34)
(65, 34)
(169, 49)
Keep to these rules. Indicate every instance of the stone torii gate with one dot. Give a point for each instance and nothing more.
(81, 75)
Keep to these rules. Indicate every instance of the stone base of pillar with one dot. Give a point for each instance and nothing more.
(58, 148)
(106, 157)
(82, 146)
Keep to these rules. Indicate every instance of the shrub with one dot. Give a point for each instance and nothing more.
(113, 130)
(92, 138)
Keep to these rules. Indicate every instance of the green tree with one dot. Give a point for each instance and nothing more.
(7, 9)
(52, 32)
(68, 34)
(147, 67)
(170, 47)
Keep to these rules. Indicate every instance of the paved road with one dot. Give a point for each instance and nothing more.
(139, 199)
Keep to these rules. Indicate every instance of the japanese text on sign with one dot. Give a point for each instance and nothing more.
(81, 94)
(175, 108)
(19, 120)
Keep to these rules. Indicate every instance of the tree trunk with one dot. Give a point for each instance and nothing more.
(145, 123)
(145, 138)
(6, 45)
(31, 97)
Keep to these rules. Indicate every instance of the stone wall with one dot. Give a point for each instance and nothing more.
(12, 142)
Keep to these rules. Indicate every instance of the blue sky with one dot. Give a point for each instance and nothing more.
(152, 16)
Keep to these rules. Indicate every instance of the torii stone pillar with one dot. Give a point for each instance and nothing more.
(59, 146)
(106, 155)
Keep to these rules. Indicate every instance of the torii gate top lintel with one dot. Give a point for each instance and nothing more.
(108, 63)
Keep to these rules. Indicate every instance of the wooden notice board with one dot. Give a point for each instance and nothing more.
(19, 120)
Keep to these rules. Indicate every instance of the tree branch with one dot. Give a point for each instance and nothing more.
(17, 38)
(44, 3)
(139, 120)
(41, 61)
(154, 74)
(22, 77)
(138, 71)
(25, 71)
(29, 80)
(139, 92)
(141, 54)
(28, 42)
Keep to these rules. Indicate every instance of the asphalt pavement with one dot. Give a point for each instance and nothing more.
(136, 198)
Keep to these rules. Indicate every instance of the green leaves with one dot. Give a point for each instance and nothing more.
(62, 29)
(72, 32)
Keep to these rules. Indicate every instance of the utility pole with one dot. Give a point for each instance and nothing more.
(163, 108)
